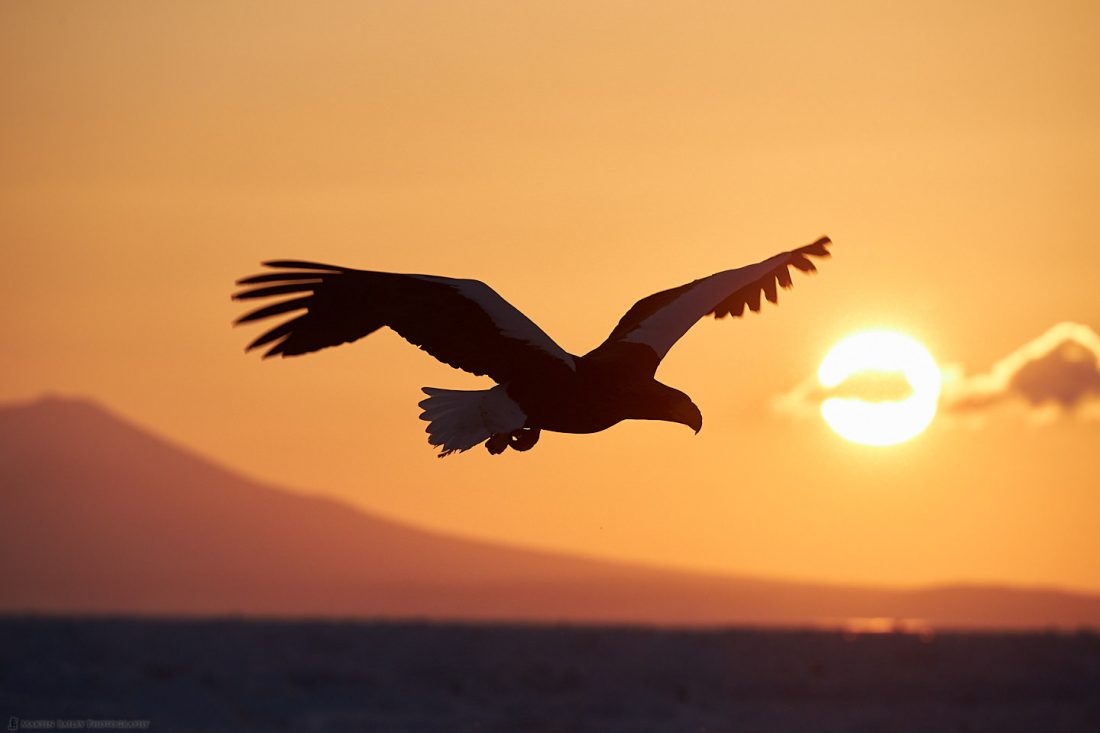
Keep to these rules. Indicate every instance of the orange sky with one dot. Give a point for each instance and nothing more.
(576, 156)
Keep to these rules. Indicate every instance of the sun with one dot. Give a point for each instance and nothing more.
(885, 422)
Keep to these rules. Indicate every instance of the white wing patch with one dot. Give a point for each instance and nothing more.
(665, 327)
(505, 316)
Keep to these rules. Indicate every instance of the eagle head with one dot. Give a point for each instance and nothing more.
(672, 405)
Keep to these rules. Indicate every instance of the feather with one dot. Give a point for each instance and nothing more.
(753, 299)
(783, 275)
(300, 265)
(278, 332)
(803, 263)
(267, 292)
(770, 290)
(273, 310)
(281, 277)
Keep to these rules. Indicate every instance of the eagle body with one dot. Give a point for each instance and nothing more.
(466, 324)
(594, 398)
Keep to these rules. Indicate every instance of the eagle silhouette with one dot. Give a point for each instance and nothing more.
(465, 324)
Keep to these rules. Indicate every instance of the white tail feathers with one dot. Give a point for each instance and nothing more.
(458, 420)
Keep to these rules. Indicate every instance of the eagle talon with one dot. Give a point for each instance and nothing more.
(522, 440)
(497, 443)
(525, 438)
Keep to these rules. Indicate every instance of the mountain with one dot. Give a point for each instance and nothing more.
(98, 515)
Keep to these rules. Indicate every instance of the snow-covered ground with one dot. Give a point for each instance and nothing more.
(324, 676)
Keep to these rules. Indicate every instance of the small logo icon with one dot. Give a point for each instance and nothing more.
(13, 723)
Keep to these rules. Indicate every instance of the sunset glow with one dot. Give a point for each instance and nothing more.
(550, 365)
(880, 422)
(577, 157)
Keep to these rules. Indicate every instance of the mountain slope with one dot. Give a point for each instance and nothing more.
(98, 515)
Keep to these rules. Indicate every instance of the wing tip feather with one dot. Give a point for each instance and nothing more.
(302, 265)
(817, 248)
(802, 263)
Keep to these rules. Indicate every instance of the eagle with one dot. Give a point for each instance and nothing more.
(467, 325)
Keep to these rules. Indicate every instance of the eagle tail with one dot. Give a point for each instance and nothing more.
(459, 419)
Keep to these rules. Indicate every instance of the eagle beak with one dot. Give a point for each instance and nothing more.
(691, 417)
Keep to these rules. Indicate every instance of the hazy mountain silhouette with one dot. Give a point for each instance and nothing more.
(98, 515)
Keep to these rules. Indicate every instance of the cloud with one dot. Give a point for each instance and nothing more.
(874, 386)
(1056, 373)
(1052, 376)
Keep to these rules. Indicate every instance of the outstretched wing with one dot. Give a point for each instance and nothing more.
(659, 320)
(463, 323)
